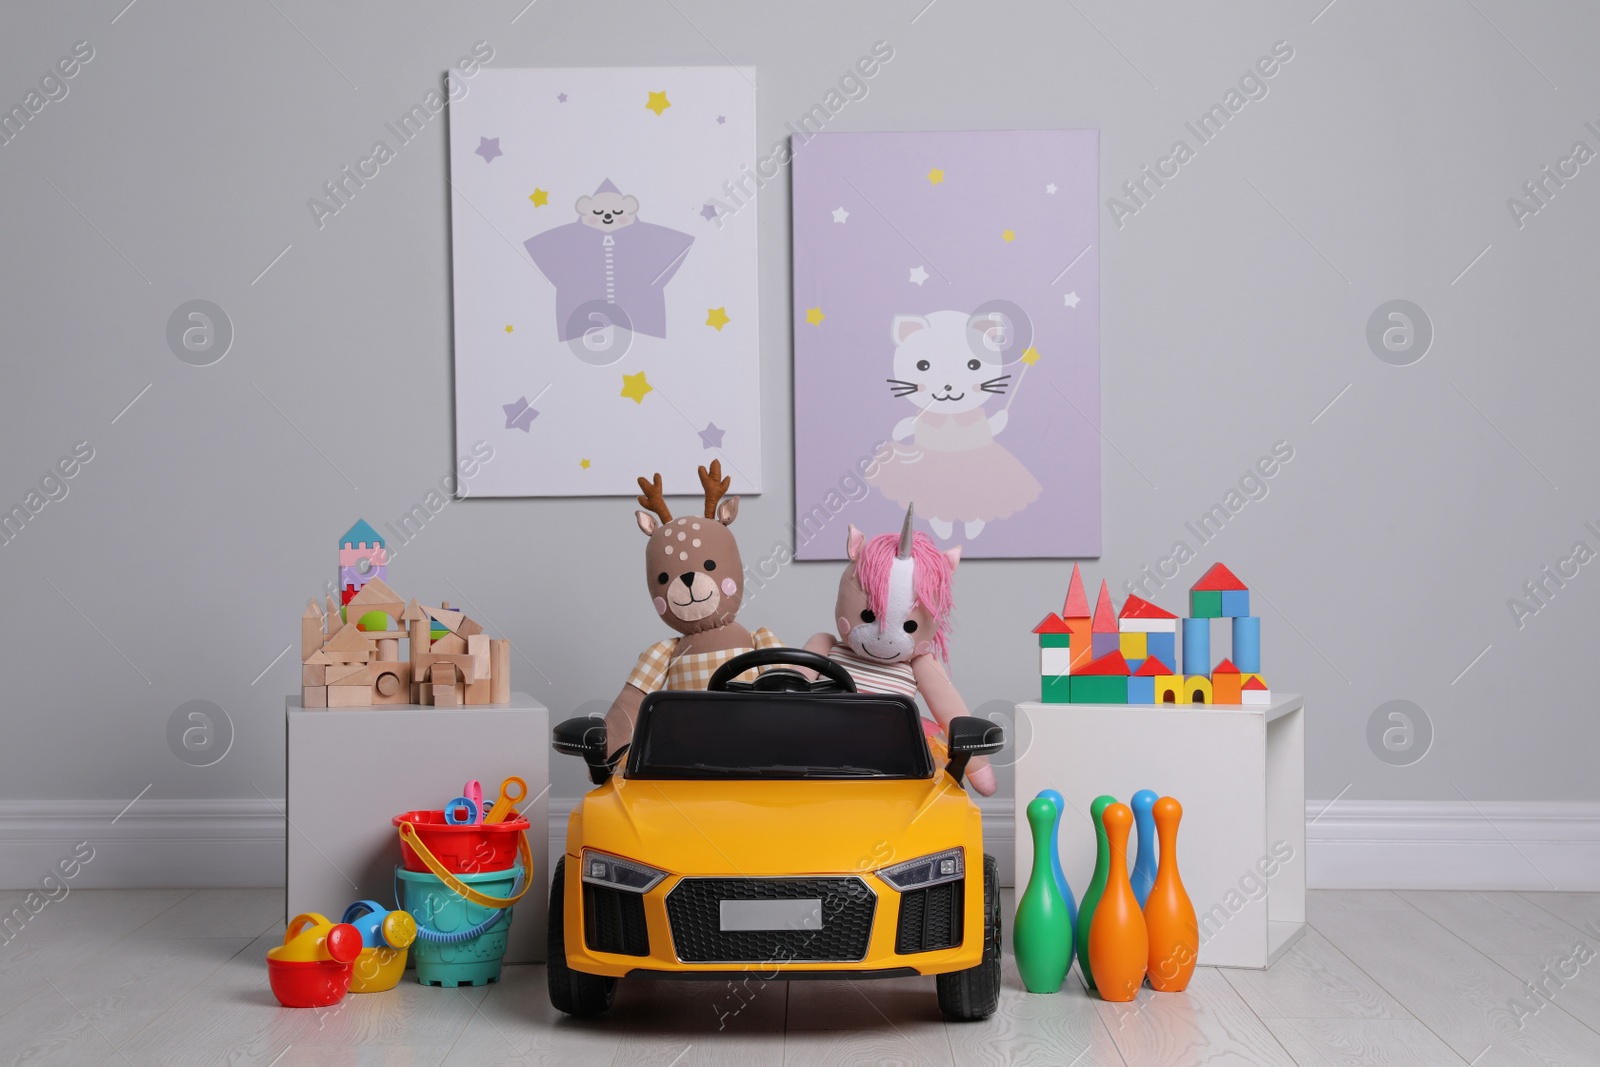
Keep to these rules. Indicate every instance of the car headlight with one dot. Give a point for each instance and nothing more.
(602, 869)
(924, 871)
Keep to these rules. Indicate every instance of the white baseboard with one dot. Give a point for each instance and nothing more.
(153, 843)
(1354, 844)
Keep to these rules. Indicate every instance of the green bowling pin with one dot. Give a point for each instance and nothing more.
(1097, 884)
(1041, 936)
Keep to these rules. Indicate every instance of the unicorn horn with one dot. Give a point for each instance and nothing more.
(904, 551)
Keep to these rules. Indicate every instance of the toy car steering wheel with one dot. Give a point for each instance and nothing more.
(835, 679)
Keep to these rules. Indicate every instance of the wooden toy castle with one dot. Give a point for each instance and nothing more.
(1131, 657)
(351, 658)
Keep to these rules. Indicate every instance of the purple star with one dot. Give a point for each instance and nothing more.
(520, 416)
(561, 97)
(488, 148)
(722, 120)
(711, 436)
(708, 212)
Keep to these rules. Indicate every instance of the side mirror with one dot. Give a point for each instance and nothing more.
(584, 737)
(971, 736)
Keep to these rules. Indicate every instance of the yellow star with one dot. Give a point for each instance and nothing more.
(508, 327)
(936, 176)
(1008, 235)
(717, 318)
(539, 197)
(583, 463)
(634, 387)
(815, 316)
(658, 102)
(1030, 355)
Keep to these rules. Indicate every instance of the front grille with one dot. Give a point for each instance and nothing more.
(930, 918)
(613, 921)
(695, 915)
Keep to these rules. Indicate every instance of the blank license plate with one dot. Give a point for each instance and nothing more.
(772, 914)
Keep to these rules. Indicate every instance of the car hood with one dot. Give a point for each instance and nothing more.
(758, 828)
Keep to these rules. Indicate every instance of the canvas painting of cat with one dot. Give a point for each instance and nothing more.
(946, 305)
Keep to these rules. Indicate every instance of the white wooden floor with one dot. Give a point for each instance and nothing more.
(176, 977)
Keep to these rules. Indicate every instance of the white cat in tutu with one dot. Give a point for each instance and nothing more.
(948, 365)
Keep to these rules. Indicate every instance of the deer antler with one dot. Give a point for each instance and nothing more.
(715, 485)
(652, 500)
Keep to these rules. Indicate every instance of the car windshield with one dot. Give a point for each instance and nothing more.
(778, 736)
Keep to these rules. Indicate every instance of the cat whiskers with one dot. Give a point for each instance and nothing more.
(996, 385)
(899, 388)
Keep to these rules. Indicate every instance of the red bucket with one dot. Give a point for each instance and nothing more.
(466, 849)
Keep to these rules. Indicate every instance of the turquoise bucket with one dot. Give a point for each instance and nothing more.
(440, 910)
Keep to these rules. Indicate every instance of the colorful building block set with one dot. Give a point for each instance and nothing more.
(1132, 657)
(350, 655)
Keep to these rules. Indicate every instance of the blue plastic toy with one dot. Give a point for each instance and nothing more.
(1143, 876)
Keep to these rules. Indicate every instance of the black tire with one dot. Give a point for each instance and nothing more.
(571, 992)
(973, 994)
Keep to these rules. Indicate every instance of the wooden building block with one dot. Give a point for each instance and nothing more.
(1205, 603)
(450, 620)
(1141, 689)
(388, 649)
(310, 629)
(1235, 603)
(1056, 689)
(1099, 688)
(313, 674)
(348, 674)
(1164, 646)
(334, 619)
(1199, 689)
(1225, 688)
(1133, 646)
(349, 645)
(1169, 690)
(314, 696)
(426, 662)
(478, 692)
(500, 670)
(446, 696)
(1055, 662)
(391, 683)
(1102, 642)
(349, 696)
(450, 645)
(469, 627)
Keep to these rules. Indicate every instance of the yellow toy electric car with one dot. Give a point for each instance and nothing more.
(778, 829)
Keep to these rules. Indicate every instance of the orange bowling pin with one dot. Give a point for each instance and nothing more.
(1119, 948)
(1168, 913)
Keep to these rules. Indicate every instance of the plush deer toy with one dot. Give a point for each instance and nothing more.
(893, 614)
(694, 574)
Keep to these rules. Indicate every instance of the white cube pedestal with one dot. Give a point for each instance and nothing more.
(352, 770)
(1238, 771)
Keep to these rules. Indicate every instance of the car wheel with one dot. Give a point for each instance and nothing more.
(965, 996)
(571, 992)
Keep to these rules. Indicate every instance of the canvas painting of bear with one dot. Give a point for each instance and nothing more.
(606, 317)
(947, 339)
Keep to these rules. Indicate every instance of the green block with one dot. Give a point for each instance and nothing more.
(1205, 603)
(1055, 640)
(1099, 689)
(1056, 689)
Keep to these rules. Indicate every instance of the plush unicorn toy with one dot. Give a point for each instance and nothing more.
(893, 614)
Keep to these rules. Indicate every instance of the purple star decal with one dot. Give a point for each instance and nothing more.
(519, 416)
(561, 98)
(711, 436)
(708, 212)
(722, 120)
(488, 148)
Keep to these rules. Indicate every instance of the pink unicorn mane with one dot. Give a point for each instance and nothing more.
(930, 582)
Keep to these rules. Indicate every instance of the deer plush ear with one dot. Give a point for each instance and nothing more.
(954, 556)
(853, 542)
(648, 523)
(727, 510)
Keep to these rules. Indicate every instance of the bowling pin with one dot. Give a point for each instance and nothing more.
(1168, 914)
(1119, 947)
(1097, 884)
(1144, 864)
(1055, 856)
(1041, 936)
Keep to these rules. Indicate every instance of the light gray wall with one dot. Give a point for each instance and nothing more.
(1236, 301)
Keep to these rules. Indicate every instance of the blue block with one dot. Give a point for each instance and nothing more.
(1247, 644)
(1141, 690)
(1134, 664)
(1235, 603)
(1197, 647)
(1163, 647)
(1104, 644)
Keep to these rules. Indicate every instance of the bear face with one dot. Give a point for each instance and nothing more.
(608, 211)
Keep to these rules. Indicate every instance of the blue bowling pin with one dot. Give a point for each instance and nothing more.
(1144, 865)
(1062, 887)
